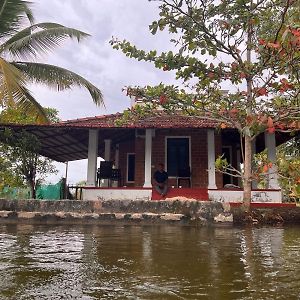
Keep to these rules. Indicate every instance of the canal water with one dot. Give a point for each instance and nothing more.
(148, 262)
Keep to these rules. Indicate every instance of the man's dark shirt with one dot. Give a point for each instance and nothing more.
(160, 177)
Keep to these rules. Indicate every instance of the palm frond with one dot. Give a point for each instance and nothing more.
(39, 38)
(14, 92)
(28, 12)
(32, 107)
(58, 78)
(12, 15)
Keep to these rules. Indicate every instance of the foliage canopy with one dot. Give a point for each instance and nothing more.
(237, 62)
(19, 45)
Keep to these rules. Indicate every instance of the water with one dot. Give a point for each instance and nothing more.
(148, 262)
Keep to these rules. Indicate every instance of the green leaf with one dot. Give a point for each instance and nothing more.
(58, 78)
(39, 38)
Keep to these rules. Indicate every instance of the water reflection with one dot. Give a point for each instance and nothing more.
(148, 262)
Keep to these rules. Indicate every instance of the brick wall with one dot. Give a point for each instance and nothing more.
(198, 155)
(139, 161)
(124, 149)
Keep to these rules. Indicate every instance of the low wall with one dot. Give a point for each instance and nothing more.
(267, 214)
(220, 195)
(262, 196)
(103, 194)
(141, 211)
(74, 211)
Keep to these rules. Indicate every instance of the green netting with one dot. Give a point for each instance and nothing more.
(15, 193)
(51, 191)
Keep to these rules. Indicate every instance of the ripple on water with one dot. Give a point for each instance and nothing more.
(136, 262)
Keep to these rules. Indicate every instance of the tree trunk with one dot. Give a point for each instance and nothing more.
(248, 142)
(32, 188)
(247, 173)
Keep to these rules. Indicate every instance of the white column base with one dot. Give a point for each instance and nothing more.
(148, 158)
(271, 149)
(211, 157)
(92, 157)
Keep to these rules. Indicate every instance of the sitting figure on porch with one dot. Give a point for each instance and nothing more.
(161, 180)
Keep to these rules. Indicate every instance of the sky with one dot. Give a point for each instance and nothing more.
(93, 58)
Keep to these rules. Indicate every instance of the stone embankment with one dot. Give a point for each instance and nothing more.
(94, 212)
(186, 212)
(267, 214)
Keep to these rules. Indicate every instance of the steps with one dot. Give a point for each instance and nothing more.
(189, 193)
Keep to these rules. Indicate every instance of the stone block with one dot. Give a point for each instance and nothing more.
(92, 216)
(74, 215)
(171, 217)
(26, 215)
(225, 217)
(136, 217)
(119, 216)
(4, 213)
(150, 216)
(60, 215)
(106, 216)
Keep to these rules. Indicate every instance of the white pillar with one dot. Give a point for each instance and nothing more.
(254, 182)
(148, 158)
(115, 183)
(238, 162)
(92, 157)
(117, 154)
(211, 157)
(270, 143)
(107, 147)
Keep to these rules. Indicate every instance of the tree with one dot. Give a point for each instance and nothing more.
(22, 150)
(249, 47)
(20, 163)
(7, 175)
(15, 114)
(20, 43)
(289, 168)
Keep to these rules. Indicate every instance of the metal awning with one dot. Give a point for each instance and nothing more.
(68, 144)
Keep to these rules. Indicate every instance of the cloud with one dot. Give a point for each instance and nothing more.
(94, 58)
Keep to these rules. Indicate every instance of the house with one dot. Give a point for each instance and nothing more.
(137, 147)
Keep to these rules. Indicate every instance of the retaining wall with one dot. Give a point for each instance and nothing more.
(141, 211)
(180, 211)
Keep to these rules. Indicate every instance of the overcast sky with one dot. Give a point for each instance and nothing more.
(94, 58)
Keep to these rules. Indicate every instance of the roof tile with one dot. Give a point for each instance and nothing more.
(156, 121)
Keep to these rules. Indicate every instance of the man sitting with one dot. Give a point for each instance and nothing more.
(161, 180)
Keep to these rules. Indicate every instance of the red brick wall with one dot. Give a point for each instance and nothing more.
(139, 161)
(198, 155)
(124, 148)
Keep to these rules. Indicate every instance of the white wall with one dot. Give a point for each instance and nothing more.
(237, 196)
(116, 194)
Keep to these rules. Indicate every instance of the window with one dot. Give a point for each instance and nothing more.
(178, 154)
(130, 167)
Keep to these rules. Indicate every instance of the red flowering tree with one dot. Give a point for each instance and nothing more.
(249, 48)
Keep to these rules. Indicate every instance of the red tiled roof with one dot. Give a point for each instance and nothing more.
(158, 121)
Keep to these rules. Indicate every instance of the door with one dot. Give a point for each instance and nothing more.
(178, 155)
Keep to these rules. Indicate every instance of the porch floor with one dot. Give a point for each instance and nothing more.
(189, 193)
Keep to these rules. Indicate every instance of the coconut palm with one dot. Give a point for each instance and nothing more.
(19, 45)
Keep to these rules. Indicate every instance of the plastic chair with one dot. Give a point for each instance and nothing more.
(104, 172)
